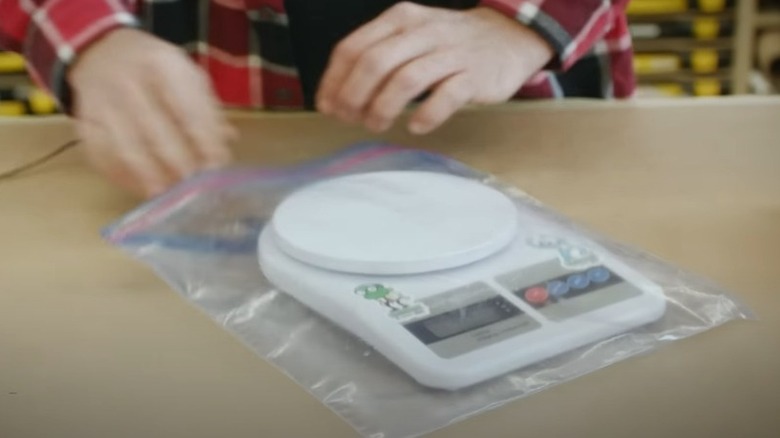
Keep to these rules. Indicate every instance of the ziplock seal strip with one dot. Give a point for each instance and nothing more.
(129, 228)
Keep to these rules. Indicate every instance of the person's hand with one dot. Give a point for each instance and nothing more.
(462, 57)
(146, 113)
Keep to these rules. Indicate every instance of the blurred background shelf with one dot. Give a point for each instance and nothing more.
(677, 44)
(670, 7)
(768, 19)
(736, 42)
(13, 80)
(18, 96)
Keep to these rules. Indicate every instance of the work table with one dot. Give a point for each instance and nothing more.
(92, 343)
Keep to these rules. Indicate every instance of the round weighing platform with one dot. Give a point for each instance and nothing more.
(394, 223)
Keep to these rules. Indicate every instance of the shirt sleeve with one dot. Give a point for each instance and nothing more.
(50, 34)
(571, 27)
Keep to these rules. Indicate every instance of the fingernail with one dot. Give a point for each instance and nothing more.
(377, 125)
(214, 164)
(324, 106)
(234, 135)
(350, 117)
(154, 190)
(417, 128)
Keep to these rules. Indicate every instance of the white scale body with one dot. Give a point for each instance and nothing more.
(444, 276)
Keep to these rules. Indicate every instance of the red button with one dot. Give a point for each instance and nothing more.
(536, 295)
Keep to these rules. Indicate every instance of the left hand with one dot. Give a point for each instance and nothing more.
(477, 56)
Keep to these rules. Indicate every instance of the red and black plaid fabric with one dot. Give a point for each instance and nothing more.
(248, 50)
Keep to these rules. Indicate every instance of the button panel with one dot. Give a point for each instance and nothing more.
(558, 293)
(567, 286)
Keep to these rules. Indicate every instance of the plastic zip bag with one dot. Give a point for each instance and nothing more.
(202, 239)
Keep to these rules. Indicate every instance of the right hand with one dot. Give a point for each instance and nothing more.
(146, 113)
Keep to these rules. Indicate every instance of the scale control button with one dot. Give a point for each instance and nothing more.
(557, 288)
(578, 281)
(599, 275)
(536, 295)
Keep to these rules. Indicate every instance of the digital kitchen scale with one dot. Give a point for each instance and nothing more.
(445, 277)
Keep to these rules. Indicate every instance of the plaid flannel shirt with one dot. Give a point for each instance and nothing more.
(242, 43)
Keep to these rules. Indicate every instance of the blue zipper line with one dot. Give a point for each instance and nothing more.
(247, 244)
(269, 174)
(192, 244)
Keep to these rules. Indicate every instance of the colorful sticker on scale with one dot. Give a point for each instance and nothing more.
(571, 256)
(402, 308)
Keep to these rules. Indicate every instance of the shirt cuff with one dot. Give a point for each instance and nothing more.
(59, 32)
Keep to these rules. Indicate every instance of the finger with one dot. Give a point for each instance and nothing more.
(407, 83)
(230, 133)
(99, 148)
(447, 98)
(129, 148)
(189, 101)
(161, 134)
(95, 141)
(374, 67)
(350, 48)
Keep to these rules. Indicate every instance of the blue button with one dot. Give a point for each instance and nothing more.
(599, 275)
(557, 288)
(578, 281)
